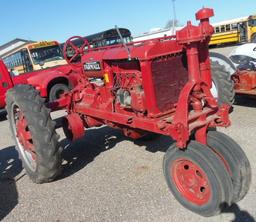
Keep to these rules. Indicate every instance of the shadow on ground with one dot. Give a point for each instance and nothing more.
(239, 215)
(244, 100)
(10, 167)
(3, 116)
(78, 154)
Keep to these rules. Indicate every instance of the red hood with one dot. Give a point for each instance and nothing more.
(140, 50)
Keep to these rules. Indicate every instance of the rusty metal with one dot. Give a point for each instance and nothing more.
(245, 82)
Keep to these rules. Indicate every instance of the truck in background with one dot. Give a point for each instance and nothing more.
(40, 64)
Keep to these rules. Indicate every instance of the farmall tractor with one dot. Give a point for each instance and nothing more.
(159, 86)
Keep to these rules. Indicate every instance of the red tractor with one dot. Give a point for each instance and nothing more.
(159, 86)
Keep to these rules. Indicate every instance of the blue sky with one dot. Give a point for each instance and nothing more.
(60, 19)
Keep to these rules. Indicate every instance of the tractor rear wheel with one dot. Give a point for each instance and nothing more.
(198, 179)
(222, 85)
(34, 134)
(57, 90)
(234, 160)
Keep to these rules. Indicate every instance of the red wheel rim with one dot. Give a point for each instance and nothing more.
(191, 181)
(24, 135)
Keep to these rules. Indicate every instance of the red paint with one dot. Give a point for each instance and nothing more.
(245, 82)
(39, 79)
(24, 135)
(77, 50)
(164, 87)
(73, 126)
(5, 83)
(191, 181)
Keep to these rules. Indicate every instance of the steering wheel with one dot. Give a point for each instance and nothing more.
(78, 51)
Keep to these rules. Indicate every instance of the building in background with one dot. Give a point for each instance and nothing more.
(14, 45)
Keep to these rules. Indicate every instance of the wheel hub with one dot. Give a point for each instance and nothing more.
(24, 135)
(191, 181)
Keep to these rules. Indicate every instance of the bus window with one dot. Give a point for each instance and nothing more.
(252, 22)
(228, 27)
(217, 29)
(19, 62)
(234, 26)
(46, 54)
(128, 39)
(14, 62)
(222, 28)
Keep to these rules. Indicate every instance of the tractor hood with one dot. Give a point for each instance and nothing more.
(144, 50)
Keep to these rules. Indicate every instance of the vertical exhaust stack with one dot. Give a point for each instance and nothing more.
(123, 42)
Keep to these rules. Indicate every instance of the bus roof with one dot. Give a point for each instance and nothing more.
(108, 34)
(41, 44)
(30, 45)
(231, 21)
(105, 35)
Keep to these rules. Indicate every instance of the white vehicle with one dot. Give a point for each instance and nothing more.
(155, 33)
(244, 57)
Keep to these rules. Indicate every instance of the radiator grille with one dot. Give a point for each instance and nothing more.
(169, 77)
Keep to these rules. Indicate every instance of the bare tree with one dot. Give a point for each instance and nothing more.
(169, 24)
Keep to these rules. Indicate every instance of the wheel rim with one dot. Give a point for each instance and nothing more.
(191, 181)
(23, 137)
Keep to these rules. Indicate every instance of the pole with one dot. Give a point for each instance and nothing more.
(174, 17)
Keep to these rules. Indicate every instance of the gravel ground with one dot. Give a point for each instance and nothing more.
(225, 50)
(108, 177)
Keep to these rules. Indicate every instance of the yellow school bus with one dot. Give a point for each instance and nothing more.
(237, 30)
(35, 56)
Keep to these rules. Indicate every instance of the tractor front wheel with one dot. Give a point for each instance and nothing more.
(235, 161)
(34, 133)
(198, 179)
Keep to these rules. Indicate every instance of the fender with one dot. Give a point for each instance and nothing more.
(44, 77)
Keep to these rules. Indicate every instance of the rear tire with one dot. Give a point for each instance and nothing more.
(34, 133)
(57, 90)
(223, 83)
(198, 179)
(235, 161)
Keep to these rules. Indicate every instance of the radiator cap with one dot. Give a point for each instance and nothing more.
(204, 13)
